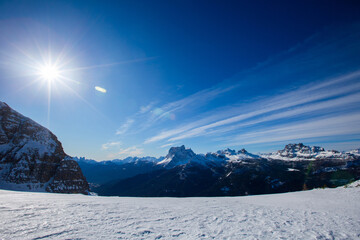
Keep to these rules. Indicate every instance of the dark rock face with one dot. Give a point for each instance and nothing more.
(68, 179)
(32, 158)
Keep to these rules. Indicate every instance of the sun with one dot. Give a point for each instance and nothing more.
(49, 72)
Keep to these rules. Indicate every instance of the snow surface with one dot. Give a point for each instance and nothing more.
(316, 214)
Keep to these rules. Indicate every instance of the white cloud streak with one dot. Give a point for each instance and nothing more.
(334, 86)
(312, 97)
(131, 151)
(125, 127)
(110, 145)
(339, 125)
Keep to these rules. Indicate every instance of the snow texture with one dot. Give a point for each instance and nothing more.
(316, 214)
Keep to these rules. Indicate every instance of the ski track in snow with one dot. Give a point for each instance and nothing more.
(316, 214)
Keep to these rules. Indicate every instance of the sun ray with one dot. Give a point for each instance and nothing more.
(109, 64)
(49, 104)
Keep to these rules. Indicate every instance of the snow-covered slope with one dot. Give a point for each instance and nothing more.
(32, 158)
(316, 214)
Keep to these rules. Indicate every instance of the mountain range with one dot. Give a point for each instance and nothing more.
(183, 173)
(33, 159)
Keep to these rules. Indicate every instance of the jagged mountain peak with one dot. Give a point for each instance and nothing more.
(242, 151)
(299, 149)
(294, 148)
(233, 155)
(227, 151)
(180, 152)
(179, 156)
(300, 152)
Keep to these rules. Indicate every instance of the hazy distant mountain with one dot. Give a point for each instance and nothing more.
(98, 173)
(32, 158)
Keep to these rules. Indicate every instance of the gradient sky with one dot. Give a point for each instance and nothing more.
(207, 74)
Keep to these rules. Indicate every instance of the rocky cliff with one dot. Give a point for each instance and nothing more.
(32, 158)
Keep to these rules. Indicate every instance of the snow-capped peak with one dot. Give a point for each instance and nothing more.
(226, 151)
(178, 156)
(355, 152)
(233, 156)
(299, 152)
(180, 152)
(293, 150)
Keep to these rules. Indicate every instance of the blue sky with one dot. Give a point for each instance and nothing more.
(207, 74)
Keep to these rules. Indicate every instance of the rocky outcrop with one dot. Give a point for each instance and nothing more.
(68, 179)
(32, 158)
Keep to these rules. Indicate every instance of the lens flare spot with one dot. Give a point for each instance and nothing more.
(157, 111)
(100, 89)
(172, 116)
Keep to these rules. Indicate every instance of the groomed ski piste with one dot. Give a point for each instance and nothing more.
(315, 214)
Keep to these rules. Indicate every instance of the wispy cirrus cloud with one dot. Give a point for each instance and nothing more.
(125, 126)
(168, 145)
(130, 151)
(144, 109)
(150, 114)
(324, 127)
(115, 150)
(110, 145)
(334, 89)
(322, 97)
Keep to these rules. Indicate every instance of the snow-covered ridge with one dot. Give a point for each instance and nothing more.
(234, 156)
(291, 152)
(355, 152)
(301, 152)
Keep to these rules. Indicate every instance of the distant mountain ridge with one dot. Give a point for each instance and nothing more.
(32, 158)
(182, 155)
(227, 172)
(300, 152)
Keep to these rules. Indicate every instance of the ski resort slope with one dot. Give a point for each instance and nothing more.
(316, 214)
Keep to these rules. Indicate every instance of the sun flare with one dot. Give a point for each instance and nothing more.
(49, 72)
